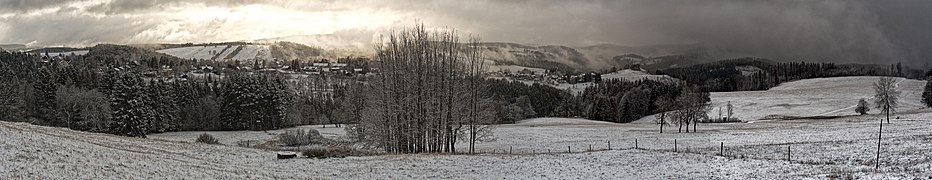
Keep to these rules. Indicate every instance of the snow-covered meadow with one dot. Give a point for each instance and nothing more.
(835, 148)
(842, 147)
(812, 97)
(231, 137)
(221, 52)
(68, 53)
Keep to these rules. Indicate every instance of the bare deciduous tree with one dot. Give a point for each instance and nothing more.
(927, 93)
(664, 104)
(886, 96)
(731, 111)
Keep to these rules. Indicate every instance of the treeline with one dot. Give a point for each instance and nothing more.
(609, 100)
(625, 101)
(514, 101)
(749, 74)
(108, 94)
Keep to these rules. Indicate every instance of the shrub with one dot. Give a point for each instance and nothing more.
(722, 120)
(300, 137)
(207, 138)
(862, 107)
(247, 143)
(334, 152)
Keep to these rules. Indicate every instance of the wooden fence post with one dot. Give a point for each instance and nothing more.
(568, 150)
(509, 149)
(590, 147)
(609, 145)
(722, 149)
(635, 143)
(674, 145)
(788, 153)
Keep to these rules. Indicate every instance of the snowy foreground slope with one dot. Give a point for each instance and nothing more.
(820, 148)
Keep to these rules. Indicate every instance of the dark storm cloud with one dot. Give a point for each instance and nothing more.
(851, 31)
(858, 31)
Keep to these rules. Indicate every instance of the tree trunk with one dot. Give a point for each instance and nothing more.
(681, 127)
(687, 126)
(662, 122)
(888, 115)
(695, 124)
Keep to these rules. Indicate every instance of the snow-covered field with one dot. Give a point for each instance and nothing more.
(810, 97)
(81, 52)
(633, 75)
(820, 149)
(514, 69)
(813, 97)
(231, 137)
(221, 52)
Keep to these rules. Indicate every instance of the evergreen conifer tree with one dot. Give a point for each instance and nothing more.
(45, 88)
(130, 113)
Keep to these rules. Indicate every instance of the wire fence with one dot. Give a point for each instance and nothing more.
(856, 151)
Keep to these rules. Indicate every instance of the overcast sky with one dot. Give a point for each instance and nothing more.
(837, 30)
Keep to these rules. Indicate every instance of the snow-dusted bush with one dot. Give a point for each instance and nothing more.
(335, 152)
(327, 152)
(247, 143)
(207, 138)
(300, 137)
(862, 107)
(927, 93)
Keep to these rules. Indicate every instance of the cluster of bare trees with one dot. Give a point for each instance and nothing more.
(427, 95)
(312, 100)
(691, 107)
(83, 109)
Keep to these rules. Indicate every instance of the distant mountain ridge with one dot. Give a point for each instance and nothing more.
(553, 57)
(12, 46)
(567, 58)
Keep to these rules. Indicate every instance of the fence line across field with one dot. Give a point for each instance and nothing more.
(774, 151)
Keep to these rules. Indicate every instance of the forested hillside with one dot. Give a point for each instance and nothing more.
(285, 50)
(106, 91)
(748, 74)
